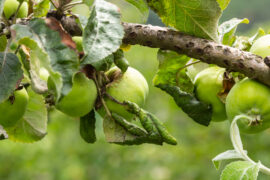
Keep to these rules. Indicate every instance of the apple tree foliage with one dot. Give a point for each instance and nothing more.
(40, 43)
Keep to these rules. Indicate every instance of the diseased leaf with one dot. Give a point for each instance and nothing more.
(49, 52)
(227, 30)
(171, 70)
(10, 74)
(197, 17)
(156, 130)
(240, 170)
(227, 155)
(103, 33)
(33, 126)
(120, 131)
(114, 133)
(223, 3)
(198, 111)
(41, 8)
(141, 5)
(87, 127)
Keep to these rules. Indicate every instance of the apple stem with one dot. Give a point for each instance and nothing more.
(238, 146)
(16, 13)
(100, 95)
(115, 100)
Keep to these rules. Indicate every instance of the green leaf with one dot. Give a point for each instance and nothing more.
(10, 74)
(88, 2)
(198, 111)
(3, 43)
(197, 17)
(48, 51)
(171, 70)
(41, 8)
(227, 155)
(87, 127)
(240, 170)
(120, 61)
(103, 33)
(33, 126)
(82, 20)
(142, 6)
(223, 3)
(228, 29)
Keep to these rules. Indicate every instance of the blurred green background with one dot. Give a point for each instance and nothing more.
(63, 155)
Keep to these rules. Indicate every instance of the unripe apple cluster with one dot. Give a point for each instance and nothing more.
(251, 98)
(11, 6)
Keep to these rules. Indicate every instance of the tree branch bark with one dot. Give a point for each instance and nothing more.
(207, 51)
(233, 59)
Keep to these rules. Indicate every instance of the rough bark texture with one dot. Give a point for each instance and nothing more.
(233, 59)
(207, 51)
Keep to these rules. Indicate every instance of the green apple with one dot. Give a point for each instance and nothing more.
(194, 69)
(13, 110)
(128, 86)
(78, 41)
(208, 83)
(10, 7)
(261, 46)
(81, 98)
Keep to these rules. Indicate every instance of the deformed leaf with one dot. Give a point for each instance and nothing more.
(197, 17)
(10, 74)
(171, 70)
(50, 52)
(227, 30)
(240, 170)
(141, 5)
(87, 127)
(33, 126)
(115, 133)
(198, 111)
(103, 33)
(227, 155)
(156, 130)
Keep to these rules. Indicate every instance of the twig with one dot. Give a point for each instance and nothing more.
(183, 67)
(100, 96)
